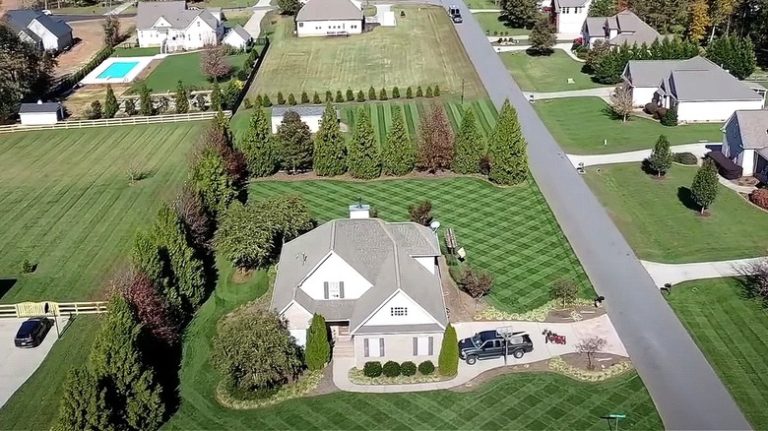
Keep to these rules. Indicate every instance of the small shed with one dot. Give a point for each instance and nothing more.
(40, 113)
(311, 115)
(237, 38)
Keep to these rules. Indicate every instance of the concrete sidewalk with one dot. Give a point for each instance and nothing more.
(573, 332)
(699, 149)
(662, 273)
(253, 26)
(601, 92)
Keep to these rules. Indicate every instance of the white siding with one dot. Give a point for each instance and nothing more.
(428, 262)
(38, 118)
(335, 269)
(691, 112)
(298, 317)
(397, 348)
(642, 95)
(313, 121)
(747, 161)
(51, 42)
(415, 315)
(325, 28)
(235, 41)
(300, 335)
(571, 23)
(197, 35)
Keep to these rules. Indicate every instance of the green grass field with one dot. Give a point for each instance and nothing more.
(35, 405)
(581, 124)
(482, 4)
(510, 232)
(545, 73)
(66, 203)
(660, 227)
(136, 52)
(732, 331)
(186, 67)
(492, 26)
(423, 49)
(234, 19)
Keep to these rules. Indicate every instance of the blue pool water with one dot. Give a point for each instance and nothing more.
(117, 69)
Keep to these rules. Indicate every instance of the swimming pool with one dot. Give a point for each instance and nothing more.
(117, 69)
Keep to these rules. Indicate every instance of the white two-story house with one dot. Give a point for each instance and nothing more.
(569, 16)
(377, 285)
(172, 27)
(329, 18)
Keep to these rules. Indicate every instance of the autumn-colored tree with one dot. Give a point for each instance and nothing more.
(621, 102)
(699, 20)
(151, 308)
(720, 12)
(213, 62)
(436, 146)
(111, 28)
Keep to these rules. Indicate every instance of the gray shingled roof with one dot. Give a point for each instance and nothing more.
(595, 26)
(39, 107)
(707, 85)
(20, 19)
(381, 252)
(326, 10)
(631, 29)
(753, 128)
(175, 12)
(650, 73)
(240, 31)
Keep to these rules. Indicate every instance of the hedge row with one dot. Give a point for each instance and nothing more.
(349, 96)
(374, 369)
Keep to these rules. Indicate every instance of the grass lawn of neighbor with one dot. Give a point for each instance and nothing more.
(66, 203)
(516, 401)
(731, 329)
(186, 67)
(423, 49)
(482, 4)
(233, 19)
(136, 52)
(546, 73)
(492, 26)
(653, 216)
(581, 124)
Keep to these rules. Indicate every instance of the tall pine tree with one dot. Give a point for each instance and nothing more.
(110, 103)
(364, 159)
(468, 149)
(182, 99)
(258, 146)
(216, 97)
(295, 141)
(661, 156)
(330, 149)
(398, 154)
(83, 405)
(507, 149)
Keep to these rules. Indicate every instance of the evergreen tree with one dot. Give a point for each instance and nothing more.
(257, 145)
(383, 94)
(371, 93)
(364, 159)
(339, 97)
(670, 117)
(304, 98)
(316, 99)
(395, 93)
(350, 95)
(83, 405)
(397, 153)
(110, 103)
(295, 143)
(182, 100)
(737, 55)
(542, 36)
(216, 97)
(130, 107)
(602, 8)
(520, 13)
(259, 101)
(448, 360)
(468, 148)
(280, 98)
(429, 91)
(330, 150)
(705, 184)
(507, 149)
(661, 156)
(265, 102)
(209, 177)
(360, 96)
(292, 99)
(437, 90)
(145, 100)
(318, 351)
(419, 92)
(328, 96)
(409, 93)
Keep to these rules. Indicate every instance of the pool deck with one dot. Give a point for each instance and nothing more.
(141, 63)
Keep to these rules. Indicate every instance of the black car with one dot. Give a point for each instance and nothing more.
(32, 332)
(490, 345)
(455, 14)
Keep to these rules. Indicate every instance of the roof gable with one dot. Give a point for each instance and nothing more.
(753, 128)
(329, 10)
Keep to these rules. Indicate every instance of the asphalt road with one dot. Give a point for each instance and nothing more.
(687, 392)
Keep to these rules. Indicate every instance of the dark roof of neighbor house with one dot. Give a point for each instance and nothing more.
(383, 253)
(20, 19)
(707, 85)
(39, 107)
(752, 127)
(329, 10)
(240, 32)
(303, 111)
(649, 73)
(175, 12)
(631, 29)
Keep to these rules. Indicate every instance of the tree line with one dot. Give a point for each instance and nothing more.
(349, 96)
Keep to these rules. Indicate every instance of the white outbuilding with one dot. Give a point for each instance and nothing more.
(237, 38)
(310, 115)
(329, 18)
(40, 113)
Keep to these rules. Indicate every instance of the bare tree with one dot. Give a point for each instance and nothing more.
(621, 101)
(590, 346)
(213, 62)
(111, 30)
(436, 149)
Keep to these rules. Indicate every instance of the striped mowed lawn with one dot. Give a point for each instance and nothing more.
(66, 203)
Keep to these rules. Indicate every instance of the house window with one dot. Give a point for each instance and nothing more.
(301, 24)
(354, 26)
(198, 23)
(423, 346)
(333, 290)
(398, 311)
(373, 347)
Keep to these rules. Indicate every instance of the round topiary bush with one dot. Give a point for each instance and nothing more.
(759, 197)
(391, 369)
(685, 158)
(650, 108)
(426, 368)
(372, 369)
(408, 368)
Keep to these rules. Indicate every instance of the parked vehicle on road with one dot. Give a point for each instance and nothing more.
(32, 332)
(455, 14)
(491, 345)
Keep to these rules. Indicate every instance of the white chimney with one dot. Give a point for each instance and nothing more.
(359, 210)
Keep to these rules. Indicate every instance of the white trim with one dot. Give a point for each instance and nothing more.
(385, 302)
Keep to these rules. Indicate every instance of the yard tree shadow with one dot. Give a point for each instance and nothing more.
(5, 285)
(533, 52)
(645, 166)
(610, 113)
(685, 197)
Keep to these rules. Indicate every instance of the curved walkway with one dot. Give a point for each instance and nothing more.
(662, 273)
(573, 332)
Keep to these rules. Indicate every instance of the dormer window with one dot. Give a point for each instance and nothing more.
(333, 290)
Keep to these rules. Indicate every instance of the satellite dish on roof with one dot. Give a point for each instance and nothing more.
(435, 225)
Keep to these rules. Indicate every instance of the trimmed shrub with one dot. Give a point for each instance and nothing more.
(391, 369)
(246, 102)
(383, 94)
(27, 267)
(426, 368)
(339, 97)
(409, 93)
(650, 108)
(408, 368)
(670, 118)
(291, 99)
(259, 101)
(372, 369)
(395, 93)
(419, 92)
(318, 348)
(475, 282)
(350, 95)
(371, 94)
(280, 98)
(685, 158)
(265, 102)
(429, 91)
(316, 99)
(448, 361)
(360, 96)
(328, 96)
(304, 97)
(759, 197)
(437, 90)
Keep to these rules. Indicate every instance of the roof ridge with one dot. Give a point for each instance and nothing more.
(396, 254)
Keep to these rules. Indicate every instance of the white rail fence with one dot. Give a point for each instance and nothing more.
(31, 309)
(122, 121)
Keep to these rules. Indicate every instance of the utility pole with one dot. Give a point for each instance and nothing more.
(462, 91)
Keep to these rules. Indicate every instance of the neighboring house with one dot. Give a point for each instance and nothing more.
(624, 27)
(237, 37)
(569, 16)
(700, 89)
(173, 27)
(745, 141)
(310, 115)
(329, 18)
(377, 284)
(35, 114)
(45, 32)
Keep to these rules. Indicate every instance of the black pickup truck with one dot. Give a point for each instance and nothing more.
(490, 345)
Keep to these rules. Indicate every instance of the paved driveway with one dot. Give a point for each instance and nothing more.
(17, 365)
